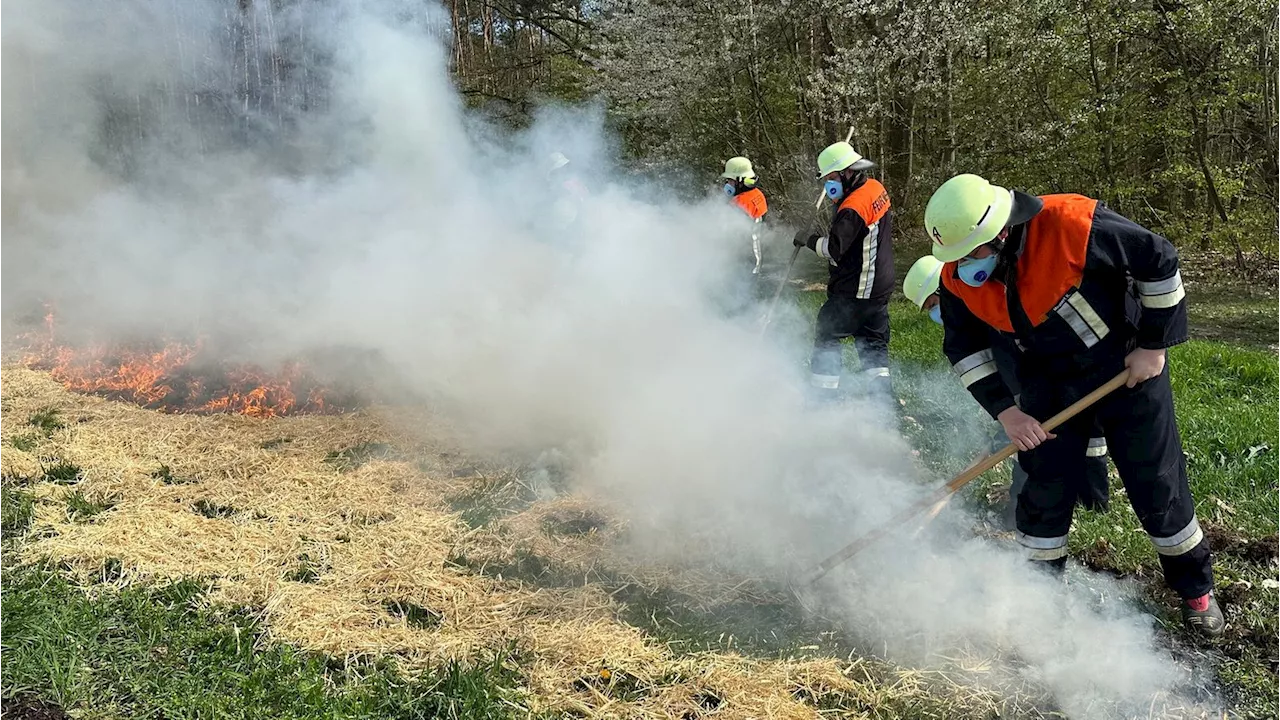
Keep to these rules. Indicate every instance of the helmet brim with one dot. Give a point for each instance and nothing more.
(1025, 207)
(989, 226)
(728, 176)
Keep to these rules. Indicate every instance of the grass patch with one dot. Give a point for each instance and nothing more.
(159, 652)
(25, 443)
(63, 473)
(17, 508)
(166, 476)
(81, 508)
(307, 570)
(212, 510)
(47, 420)
(413, 614)
(352, 458)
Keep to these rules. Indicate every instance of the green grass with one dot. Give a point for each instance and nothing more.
(46, 420)
(82, 508)
(212, 510)
(16, 510)
(161, 653)
(165, 475)
(62, 473)
(25, 443)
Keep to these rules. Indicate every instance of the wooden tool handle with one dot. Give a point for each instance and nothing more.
(962, 479)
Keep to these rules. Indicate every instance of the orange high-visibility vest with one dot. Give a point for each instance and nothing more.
(870, 201)
(1051, 264)
(752, 203)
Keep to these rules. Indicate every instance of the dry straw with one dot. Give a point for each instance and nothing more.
(341, 531)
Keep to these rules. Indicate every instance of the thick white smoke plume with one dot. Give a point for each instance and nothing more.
(306, 177)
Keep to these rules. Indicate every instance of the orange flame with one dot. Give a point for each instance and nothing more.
(165, 379)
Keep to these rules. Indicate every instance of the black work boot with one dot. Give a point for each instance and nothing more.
(1203, 615)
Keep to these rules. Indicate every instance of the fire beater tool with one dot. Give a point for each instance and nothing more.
(773, 304)
(959, 481)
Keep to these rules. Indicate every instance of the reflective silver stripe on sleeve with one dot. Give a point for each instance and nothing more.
(1162, 293)
(1181, 542)
(975, 367)
(1044, 548)
(870, 247)
(1097, 447)
(972, 361)
(1082, 318)
(822, 247)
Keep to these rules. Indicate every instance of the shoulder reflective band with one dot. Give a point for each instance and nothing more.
(1162, 293)
(1082, 318)
(1097, 447)
(975, 367)
(1182, 542)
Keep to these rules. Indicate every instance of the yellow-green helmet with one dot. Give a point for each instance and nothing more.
(841, 156)
(738, 168)
(964, 213)
(922, 280)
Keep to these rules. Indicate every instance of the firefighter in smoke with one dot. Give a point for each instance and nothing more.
(568, 190)
(859, 248)
(1083, 293)
(921, 287)
(740, 185)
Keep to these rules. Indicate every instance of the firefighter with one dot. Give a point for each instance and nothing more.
(921, 287)
(568, 192)
(859, 248)
(740, 185)
(1083, 293)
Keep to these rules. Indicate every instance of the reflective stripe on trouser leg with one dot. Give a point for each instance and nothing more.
(1180, 542)
(1048, 497)
(1143, 442)
(1097, 447)
(1043, 548)
(824, 366)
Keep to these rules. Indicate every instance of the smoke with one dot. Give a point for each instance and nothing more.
(306, 177)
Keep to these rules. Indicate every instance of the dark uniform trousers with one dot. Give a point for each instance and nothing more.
(867, 322)
(1142, 438)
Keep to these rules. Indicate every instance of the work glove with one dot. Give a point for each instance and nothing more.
(804, 238)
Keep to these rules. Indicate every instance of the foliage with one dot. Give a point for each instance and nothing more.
(1165, 111)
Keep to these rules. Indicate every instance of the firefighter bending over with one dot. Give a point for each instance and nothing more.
(1083, 293)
